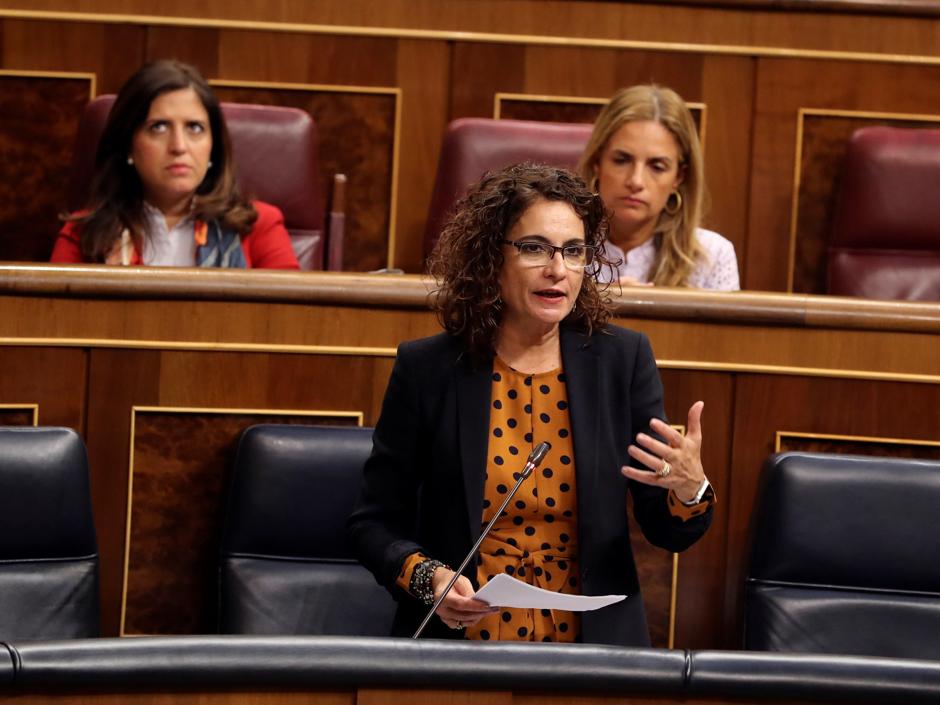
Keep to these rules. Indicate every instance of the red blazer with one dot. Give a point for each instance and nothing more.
(267, 246)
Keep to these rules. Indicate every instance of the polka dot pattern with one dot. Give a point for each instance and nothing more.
(535, 540)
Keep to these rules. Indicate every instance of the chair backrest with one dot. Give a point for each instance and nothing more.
(885, 239)
(473, 146)
(286, 563)
(48, 551)
(276, 154)
(844, 557)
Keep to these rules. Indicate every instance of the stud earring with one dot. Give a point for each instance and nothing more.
(209, 165)
(130, 161)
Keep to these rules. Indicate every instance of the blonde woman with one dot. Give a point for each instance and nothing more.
(645, 161)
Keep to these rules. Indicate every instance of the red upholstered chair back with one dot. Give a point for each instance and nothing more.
(473, 146)
(276, 153)
(885, 239)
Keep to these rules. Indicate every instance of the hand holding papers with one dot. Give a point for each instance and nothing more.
(504, 591)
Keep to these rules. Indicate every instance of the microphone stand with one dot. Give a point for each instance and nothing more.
(532, 462)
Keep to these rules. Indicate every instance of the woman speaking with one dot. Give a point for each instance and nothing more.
(526, 356)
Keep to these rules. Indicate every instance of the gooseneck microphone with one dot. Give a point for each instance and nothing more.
(532, 462)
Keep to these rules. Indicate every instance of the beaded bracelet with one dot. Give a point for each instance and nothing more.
(420, 585)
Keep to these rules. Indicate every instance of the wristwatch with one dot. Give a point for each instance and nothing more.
(700, 495)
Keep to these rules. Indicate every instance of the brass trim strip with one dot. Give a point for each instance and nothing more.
(92, 78)
(802, 113)
(393, 210)
(345, 88)
(200, 346)
(869, 114)
(345, 414)
(666, 364)
(465, 36)
(703, 125)
(674, 583)
(795, 201)
(127, 520)
(359, 415)
(323, 87)
(799, 371)
(780, 435)
(673, 600)
(24, 407)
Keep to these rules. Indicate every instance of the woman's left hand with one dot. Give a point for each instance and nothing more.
(676, 464)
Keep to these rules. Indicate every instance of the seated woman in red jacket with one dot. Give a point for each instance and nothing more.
(164, 190)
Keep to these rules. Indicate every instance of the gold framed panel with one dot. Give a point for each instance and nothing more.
(357, 416)
(802, 114)
(92, 78)
(393, 91)
(674, 587)
(759, 51)
(29, 408)
(499, 97)
(657, 567)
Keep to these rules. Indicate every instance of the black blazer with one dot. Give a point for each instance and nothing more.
(423, 483)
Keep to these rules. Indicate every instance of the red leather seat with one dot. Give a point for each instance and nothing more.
(473, 146)
(885, 239)
(276, 152)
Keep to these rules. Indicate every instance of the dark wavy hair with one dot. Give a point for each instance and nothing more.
(467, 259)
(116, 191)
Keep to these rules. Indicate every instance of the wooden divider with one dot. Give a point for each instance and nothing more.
(154, 367)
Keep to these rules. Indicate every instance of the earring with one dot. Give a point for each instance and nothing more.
(130, 161)
(677, 207)
(209, 165)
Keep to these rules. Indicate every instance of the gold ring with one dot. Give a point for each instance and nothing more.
(667, 468)
(459, 625)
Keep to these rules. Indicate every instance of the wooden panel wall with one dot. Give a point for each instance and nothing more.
(753, 71)
(159, 388)
(34, 157)
(179, 474)
(183, 454)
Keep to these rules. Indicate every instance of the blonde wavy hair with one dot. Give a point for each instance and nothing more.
(679, 249)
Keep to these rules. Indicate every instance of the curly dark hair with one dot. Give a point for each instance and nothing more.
(467, 259)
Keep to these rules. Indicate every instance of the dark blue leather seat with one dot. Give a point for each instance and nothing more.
(48, 551)
(844, 557)
(286, 565)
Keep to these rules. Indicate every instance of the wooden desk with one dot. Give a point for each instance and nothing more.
(160, 369)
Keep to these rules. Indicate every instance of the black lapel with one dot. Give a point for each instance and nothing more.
(582, 372)
(474, 383)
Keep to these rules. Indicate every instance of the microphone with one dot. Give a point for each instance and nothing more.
(533, 461)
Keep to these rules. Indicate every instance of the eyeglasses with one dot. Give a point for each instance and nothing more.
(540, 254)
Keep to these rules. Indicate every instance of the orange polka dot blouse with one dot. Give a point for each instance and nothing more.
(536, 539)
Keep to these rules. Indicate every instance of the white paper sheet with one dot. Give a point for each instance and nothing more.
(505, 591)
